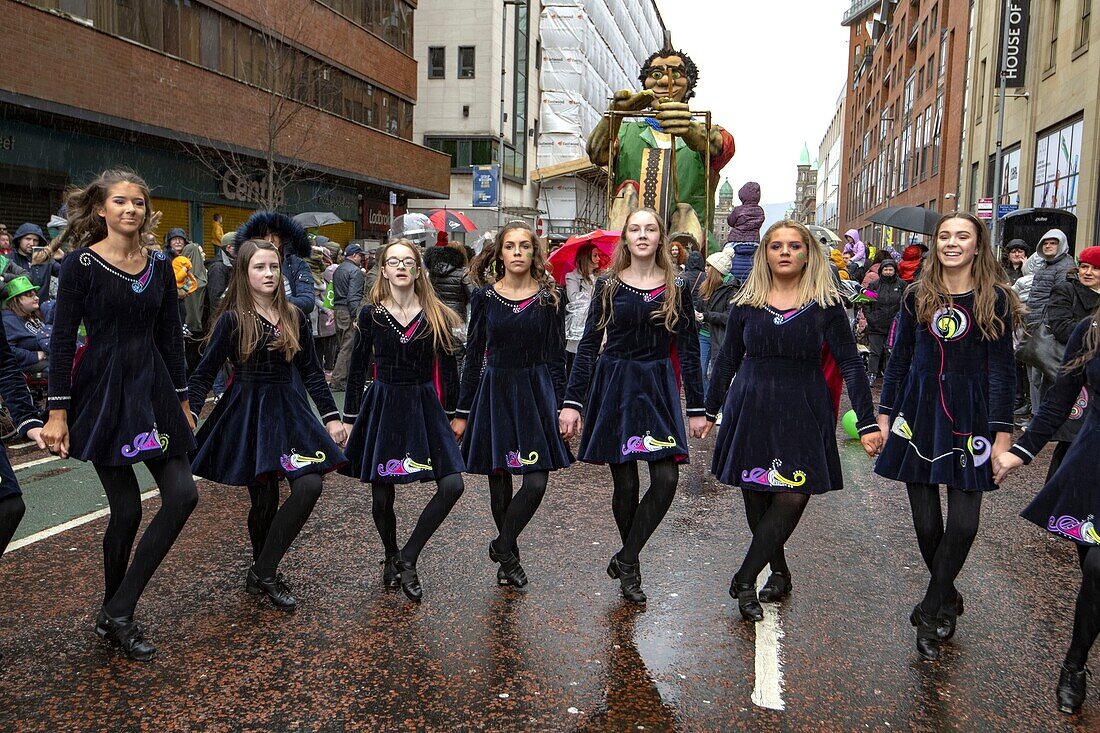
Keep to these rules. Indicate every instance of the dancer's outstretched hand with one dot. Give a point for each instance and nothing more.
(1004, 464)
(872, 443)
(337, 432)
(707, 429)
(458, 427)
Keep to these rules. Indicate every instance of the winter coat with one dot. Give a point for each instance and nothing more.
(745, 220)
(743, 253)
(27, 338)
(717, 310)
(297, 279)
(1013, 273)
(347, 287)
(694, 275)
(838, 261)
(447, 271)
(1050, 271)
(911, 260)
(880, 314)
(217, 279)
(856, 248)
(871, 276)
(1023, 285)
(1070, 301)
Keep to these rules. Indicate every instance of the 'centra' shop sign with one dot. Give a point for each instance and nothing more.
(250, 188)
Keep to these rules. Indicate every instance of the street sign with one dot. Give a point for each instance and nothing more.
(985, 208)
(1004, 210)
(486, 185)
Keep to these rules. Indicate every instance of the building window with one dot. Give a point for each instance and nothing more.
(1055, 8)
(936, 135)
(464, 151)
(1010, 176)
(1057, 164)
(466, 62)
(1083, 24)
(390, 20)
(943, 53)
(437, 62)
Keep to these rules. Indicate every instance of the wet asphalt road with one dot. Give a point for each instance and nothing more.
(563, 654)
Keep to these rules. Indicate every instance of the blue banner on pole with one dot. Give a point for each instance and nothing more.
(486, 185)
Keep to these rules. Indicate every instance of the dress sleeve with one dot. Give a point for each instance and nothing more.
(555, 346)
(687, 351)
(900, 357)
(447, 363)
(17, 398)
(1001, 367)
(71, 292)
(221, 346)
(475, 352)
(842, 345)
(313, 375)
(588, 350)
(1059, 399)
(168, 331)
(727, 362)
(360, 360)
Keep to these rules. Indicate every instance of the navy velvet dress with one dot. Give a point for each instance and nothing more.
(1070, 502)
(513, 382)
(17, 398)
(947, 390)
(402, 432)
(124, 386)
(263, 427)
(778, 421)
(630, 393)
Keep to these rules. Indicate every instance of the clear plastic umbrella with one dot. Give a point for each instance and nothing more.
(416, 227)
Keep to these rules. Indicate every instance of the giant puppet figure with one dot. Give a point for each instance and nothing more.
(646, 148)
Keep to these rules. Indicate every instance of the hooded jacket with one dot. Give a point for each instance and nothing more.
(447, 271)
(856, 248)
(745, 220)
(1050, 271)
(20, 264)
(911, 259)
(694, 274)
(1070, 301)
(889, 291)
(297, 279)
(838, 261)
(1023, 285)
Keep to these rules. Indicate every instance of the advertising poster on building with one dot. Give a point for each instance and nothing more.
(1014, 43)
(486, 185)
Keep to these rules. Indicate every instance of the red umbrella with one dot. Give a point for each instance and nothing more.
(562, 260)
(451, 222)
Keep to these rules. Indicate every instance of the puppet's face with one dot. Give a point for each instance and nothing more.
(666, 77)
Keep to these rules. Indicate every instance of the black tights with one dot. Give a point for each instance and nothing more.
(638, 520)
(178, 497)
(448, 490)
(511, 514)
(943, 547)
(12, 510)
(272, 528)
(773, 517)
(1086, 619)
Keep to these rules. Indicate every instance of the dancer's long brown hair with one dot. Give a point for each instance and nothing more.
(238, 300)
(82, 205)
(988, 276)
(440, 318)
(669, 312)
(488, 265)
(1090, 343)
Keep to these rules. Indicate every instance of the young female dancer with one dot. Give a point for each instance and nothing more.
(946, 407)
(629, 392)
(263, 428)
(123, 398)
(780, 324)
(507, 414)
(1070, 502)
(401, 431)
(17, 398)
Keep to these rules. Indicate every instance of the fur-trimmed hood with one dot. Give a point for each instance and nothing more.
(443, 260)
(293, 235)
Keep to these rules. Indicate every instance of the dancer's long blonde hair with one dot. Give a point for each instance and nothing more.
(669, 312)
(816, 283)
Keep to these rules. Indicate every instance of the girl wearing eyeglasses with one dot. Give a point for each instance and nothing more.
(401, 431)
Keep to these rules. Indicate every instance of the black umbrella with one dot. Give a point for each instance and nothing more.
(908, 218)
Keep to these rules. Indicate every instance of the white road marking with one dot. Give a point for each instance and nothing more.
(51, 531)
(37, 462)
(768, 692)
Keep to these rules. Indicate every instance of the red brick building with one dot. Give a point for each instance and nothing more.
(162, 86)
(903, 121)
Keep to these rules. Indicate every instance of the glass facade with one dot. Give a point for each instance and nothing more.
(1057, 166)
(390, 20)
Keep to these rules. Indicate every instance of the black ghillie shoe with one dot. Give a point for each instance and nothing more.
(747, 601)
(128, 634)
(1071, 689)
(510, 571)
(274, 587)
(928, 639)
(389, 573)
(630, 579)
(777, 588)
(410, 581)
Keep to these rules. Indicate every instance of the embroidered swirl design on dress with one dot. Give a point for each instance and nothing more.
(138, 285)
(950, 323)
(979, 447)
(652, 295)
(295, 461)
(146, 442)
(1075, 529)
(1080, 405)
(406, 467)
(772, 477)
(901, 428)
(646, 444)
(408, 333)
(515, 460)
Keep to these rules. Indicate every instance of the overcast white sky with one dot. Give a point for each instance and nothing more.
(770, 72)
